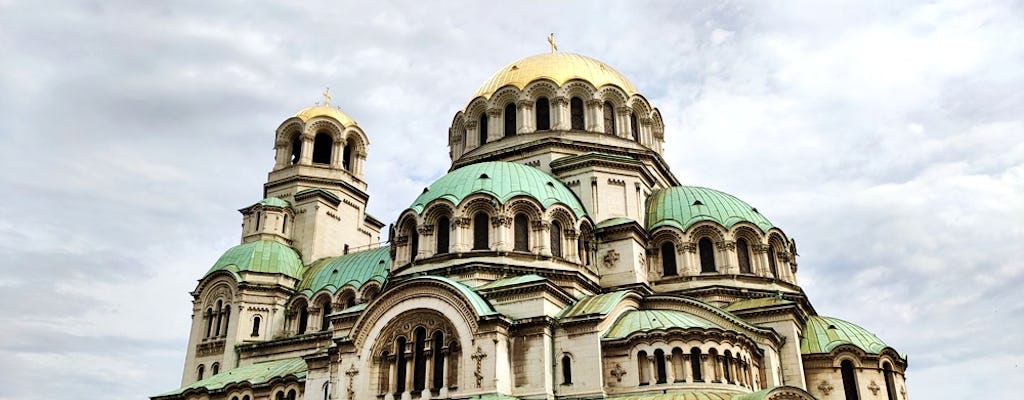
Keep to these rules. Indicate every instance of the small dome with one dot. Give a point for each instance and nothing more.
(260, 256)
(309, 113)
(503, 180)
(275, 202)
(558, 67)
(649, 320)
(683, 206)
(351, 270)
(822, 334)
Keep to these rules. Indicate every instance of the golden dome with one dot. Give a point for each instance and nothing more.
(558, 67)
(309, 113)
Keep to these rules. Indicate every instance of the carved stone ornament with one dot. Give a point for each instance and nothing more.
(874, 388)
(610, 258)
(825, 387)
(479, 356)
(618, 372)
(642, 261)
(351, 373)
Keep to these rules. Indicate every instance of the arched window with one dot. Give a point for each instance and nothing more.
(521, 233)
(327, 390)
(566, 370)
(256, 326)
(542, 110)
(453, 364)
(234, 397)
(583, 244)
(443, 229)
(284, 224)
(291, 394)
(227, 319)
(609, 118)
(436, 347)
(743, 255)
(325, 312)
(296, 149)
(576, 113)
(890, 384)
(849, 380)
(280, 396)
(659, 364)
(322, 146)
(214, 369)
(419, 364)
(400, 364)
(726, 365)
(668, 259)
(303, 319)
(643, 367)
(634, 127)
(259, 219)
(414, 241)
(481, 231)
(350, 302)
(246, 397)
(199, 372)
(695, 365)
(771, 261)
(220, 317)
(707, 255)
(556, 239)
(510, 119)
(346, 156)
(384, 374)
(209, 321)
(483, 129)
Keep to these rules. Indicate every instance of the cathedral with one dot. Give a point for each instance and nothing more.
(559, 258)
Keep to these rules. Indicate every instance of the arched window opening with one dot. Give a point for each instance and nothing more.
(771, 261)
(566, 370)
(199, 372)
(453, 364)
(322, 146)
(542, 109)
(890, 384)
(346, 156)
(576, 118)
(303, 319)
(849, 380)
(668, 259)
(246, 397)
(400, 364)
(521, 233)
(284, 224)
(609, 118)
(743, 255)
(296, 150)
(438, 367)
(220, 317)
(634, 127)
(510, 119)
(227, 319)
(259, 219)
(234, 397)
(695, 365)
(443, 229)
(677, 364)
(419, 364)
(280, 396)
(384, 373)
(291, 394)
(726, 365)
(659, 364)
(483, 129)
(256, 326)
(209, 321)
(214, 369)
(556, 239)
(327, 388)
(325, 313)
(707, 255)
(643, 366)
(583, 246)
(350, 302)
(481, 231)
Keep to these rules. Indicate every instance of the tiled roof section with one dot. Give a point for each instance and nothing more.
(503, 181)
(756, 303)
(613, 222)
(649, 320)
(512, 281)
(275, 202)
(260, 256)
(600, 304)
(354, 270)
(683, 206)
(822, 334)
(254, 374)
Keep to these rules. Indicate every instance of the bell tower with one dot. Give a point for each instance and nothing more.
(320, 154)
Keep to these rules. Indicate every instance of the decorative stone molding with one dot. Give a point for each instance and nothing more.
(825, 387)
(616, 182)
(726, 245)
(610, 258)
(873, 387)
(351, 373)
(688, 247)
(425, 229)
(479, 356)
(501, 220)
(541, 225)
(463, 222)
(618, 372)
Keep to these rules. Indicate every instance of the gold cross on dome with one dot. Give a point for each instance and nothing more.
(327, 97)
(551, 41)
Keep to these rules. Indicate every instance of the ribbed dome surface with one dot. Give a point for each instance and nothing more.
(822, 334)
(683, 206)
(309, 113)
(351, 270)
(649, 320)
(260, 256)
(557, 67)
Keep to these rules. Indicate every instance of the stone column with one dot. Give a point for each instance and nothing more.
(495, 125)
(622, 123)
(670, 369)
(559, 114)
(306, 155)
(524, 120)
(281, 154)
(687, 369)
(595, 115)
(337, 150)
(409, 374)
(542, 235)
(499, 227)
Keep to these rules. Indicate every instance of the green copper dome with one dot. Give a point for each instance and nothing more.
(822, 334)
(352, 270)
(683, 206)
(264, 256)
(649, 320)
(275, 202)
(503, 181)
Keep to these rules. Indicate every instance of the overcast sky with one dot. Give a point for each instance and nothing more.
(887, 140)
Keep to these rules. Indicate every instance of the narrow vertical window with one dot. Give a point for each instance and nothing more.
(771, 261)
(284, 225)
(414, 241)
(327, 388)
(438, 368)
(743, 255)
(890, 384)
(296, 149)
(727, 365)
(209, 321)
(256, 326)
(384, 374)
(322, 147)
(199, 372)
(695, 365)
(350, 302)
(443, 229)
(220, 317)
(576, 113)
(482, 128)
(659, 363)
(480, 231)
(668, 259)
(521, 233)
(556, 239)
(227, 319)
(510, 119)
(707, 255)
(259, 219)
(303, 319)
(325, 313)
(400, 366)
(214, 369)
(542, 111)
(849, 380)
(419, 364)
(566, 370)
(291, 394)
(643, 367)
(346, 157)
(634, 127)
(609, 118)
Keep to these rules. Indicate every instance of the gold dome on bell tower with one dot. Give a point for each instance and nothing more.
(557, 67)
(325, 110)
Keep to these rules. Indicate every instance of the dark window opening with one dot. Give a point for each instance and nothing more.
(543, 114)
(707, 255)
(220, 317)
(556, 239)
(443, 229)
(322, 147)
(303, 319)
(400, 364)
(576, 117)
(480, 231)
(483, 129)
(634, 127)
(199, 372)
(566, 370)
(743, 255)
(419, 364)
(695, 365)
(521, 233)
(291, 395)
(726, 365)
(510, 119)
(414, 240)
(296, 150)
(659, 364)
(609, 118)
(890, 384)
(284, 224)
(325, 313)
(214, 369)
(668, 259)
(643, 367)
(209, 321)
(259, 219)
(849, 380)
(771, 261)
(227, 319)
(438, 367)
(256, 326)
(346, 156)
